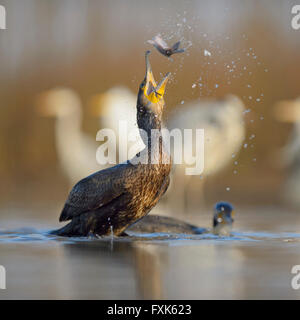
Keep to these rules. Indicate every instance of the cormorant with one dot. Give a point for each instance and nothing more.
(222, 223)
(111, 200)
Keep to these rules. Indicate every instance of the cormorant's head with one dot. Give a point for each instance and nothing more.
(151, 95)
(223, 218)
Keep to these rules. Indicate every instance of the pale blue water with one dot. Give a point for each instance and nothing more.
(34, 235)
(255, 262)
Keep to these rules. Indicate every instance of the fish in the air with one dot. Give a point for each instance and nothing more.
(163, 47)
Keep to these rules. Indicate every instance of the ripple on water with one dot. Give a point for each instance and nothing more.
(35, 235)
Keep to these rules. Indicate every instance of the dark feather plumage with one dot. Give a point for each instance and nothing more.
(113, 199)
(154, 223)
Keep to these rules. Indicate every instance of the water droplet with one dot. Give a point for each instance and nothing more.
(182, 102)
(247, 111)
(227, 189)
(216, 85)
(207, 53)
(252, 136)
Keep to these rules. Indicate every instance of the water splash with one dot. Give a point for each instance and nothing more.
(43, 236)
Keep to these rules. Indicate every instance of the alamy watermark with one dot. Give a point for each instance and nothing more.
(295, 283)
(295, 22)
(188, 147)
(2, 17)
(2, 278)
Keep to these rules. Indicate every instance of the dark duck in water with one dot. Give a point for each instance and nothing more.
(111, 200)
(222, 223)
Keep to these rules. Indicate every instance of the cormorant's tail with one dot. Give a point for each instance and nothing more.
(66, 231)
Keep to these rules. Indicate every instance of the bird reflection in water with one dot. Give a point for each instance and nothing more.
(130, 269)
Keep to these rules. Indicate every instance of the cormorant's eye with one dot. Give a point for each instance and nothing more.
(142, 86)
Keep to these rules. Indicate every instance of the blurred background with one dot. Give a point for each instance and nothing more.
(91, 46)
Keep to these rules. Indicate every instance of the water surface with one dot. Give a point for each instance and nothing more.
(255, 262)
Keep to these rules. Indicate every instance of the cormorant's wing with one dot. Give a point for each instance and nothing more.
(95, 191)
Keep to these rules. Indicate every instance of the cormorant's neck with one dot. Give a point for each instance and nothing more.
(151, 125)
(148, 121)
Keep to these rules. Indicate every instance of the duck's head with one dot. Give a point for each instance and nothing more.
(58, 102)
(151, 94)
(223, 218)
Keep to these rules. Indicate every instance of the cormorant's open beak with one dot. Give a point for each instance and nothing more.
(152, 91)
(287, 111)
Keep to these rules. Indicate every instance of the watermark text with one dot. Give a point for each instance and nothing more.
(2, 278)
(295, 22)
(2, 17)
(295, 283)
(158, 146)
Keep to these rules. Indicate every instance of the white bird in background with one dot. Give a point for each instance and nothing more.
(289, 156)
(224, 132)
(116, 105)
(75, 149)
